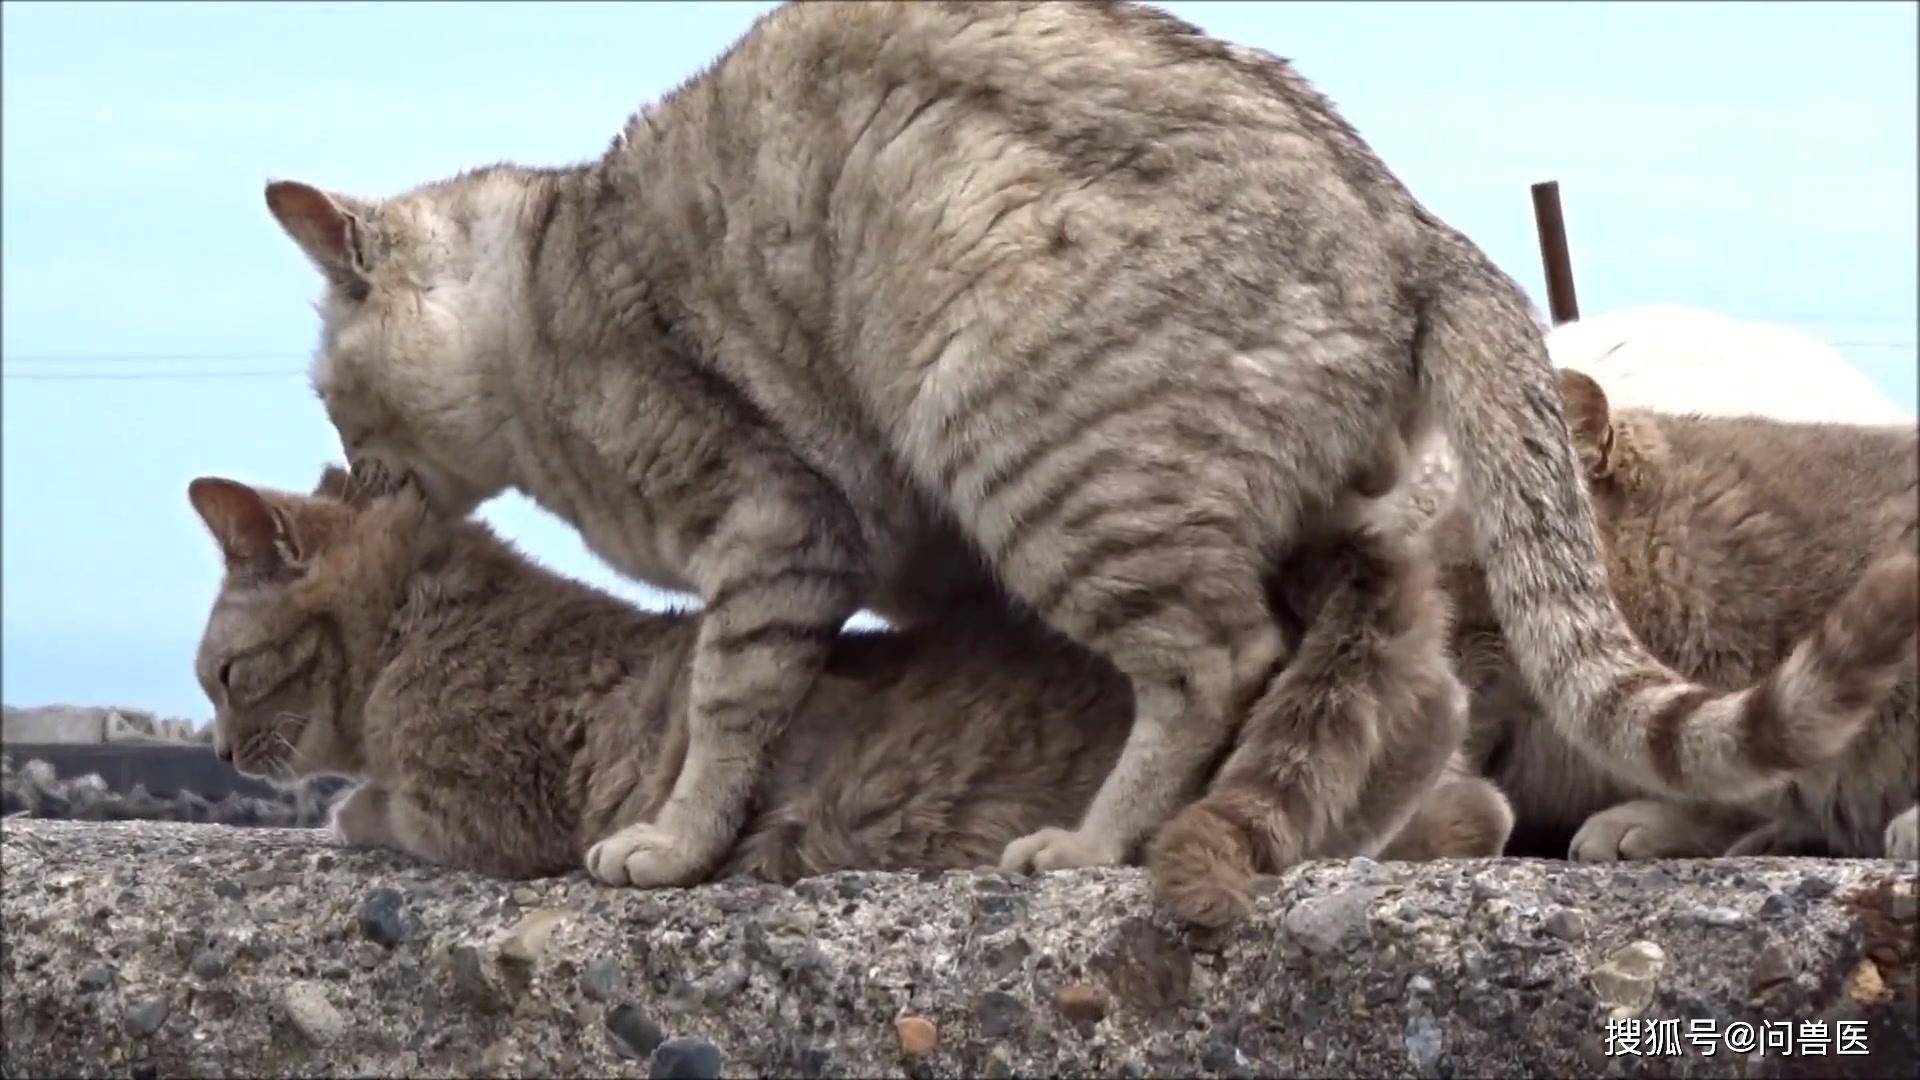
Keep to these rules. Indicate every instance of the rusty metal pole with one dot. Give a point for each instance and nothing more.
(1553, 252)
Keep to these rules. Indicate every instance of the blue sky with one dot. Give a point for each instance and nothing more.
(1756, 159)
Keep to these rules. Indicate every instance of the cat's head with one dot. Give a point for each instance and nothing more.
(416, 310)
(277, 657)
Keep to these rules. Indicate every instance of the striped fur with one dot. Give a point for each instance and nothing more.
(504, 719)
(1748, 553)
(924, 305)
(1372, 693)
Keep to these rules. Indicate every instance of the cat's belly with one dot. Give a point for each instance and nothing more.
(633, 545)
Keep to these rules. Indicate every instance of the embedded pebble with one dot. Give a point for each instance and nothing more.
(917, 1035)
(997, 1015)
(1771, 968)
(525, 941)
(1566, 924)
(601, 980)
(95, 977)
(1813, 887)
(1723, 917)
(1083, 1002)
(1629, 977)
(207, 964)
(145, 1017)
(311, 1014)
(684, 1058)
(633, 1035)
(382, 918)
(1866, 985)
(1219, 1056)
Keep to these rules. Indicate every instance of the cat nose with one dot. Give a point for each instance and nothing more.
(222, 749)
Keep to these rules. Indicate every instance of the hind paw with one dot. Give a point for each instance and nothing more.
(1206, 902)
(646, 857)
(360, 819)
(1643, 829)
(1903, 835)
(1059, 849)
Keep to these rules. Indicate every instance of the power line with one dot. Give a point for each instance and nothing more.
(151, 358)
(116, 376)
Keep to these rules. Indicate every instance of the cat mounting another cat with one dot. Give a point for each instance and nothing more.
(1742, 550)
(1067, 306)
(504, 718)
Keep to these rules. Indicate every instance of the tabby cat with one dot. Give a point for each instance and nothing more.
(504, 718)
(1067, 306)
(1741, 549)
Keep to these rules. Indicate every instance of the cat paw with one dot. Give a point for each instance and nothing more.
(645, 856)
(1059, 849)
(359, 819)
(1644, 829)
(1903, 836)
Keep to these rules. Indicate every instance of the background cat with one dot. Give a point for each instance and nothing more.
(1740, 548)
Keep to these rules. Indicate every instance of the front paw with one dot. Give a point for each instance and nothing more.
(1644, 829)
(1903, 835)
(1060, 849)
(359, 819)
(646, 857)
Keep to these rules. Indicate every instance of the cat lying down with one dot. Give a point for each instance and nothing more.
(1744, 551)
(504, 719)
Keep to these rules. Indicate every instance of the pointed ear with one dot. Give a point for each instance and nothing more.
(1590, 421)
(374, 479)
(250, 530)
(326, 228)
(335, 483)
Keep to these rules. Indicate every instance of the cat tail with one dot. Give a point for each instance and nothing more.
(1484, 364)
(1343, 744)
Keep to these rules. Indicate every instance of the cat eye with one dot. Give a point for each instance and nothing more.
(226, 670)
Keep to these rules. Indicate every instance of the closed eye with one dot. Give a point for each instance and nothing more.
(225, 675)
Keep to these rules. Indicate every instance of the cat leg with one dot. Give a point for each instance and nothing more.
(1358, 728)
(1657, 829)
(1903, 835)
(1466, 817)
(1189, 661)
(1389, 670)
(360, 819)
(783, 575)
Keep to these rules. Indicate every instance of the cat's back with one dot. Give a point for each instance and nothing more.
(495, 631)
(1729, 538)
(1113, 91)
(1850, 485)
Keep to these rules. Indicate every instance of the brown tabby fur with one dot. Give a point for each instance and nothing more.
(1383, 698)
(505, 719)
(1742, 550)
(1063, 305)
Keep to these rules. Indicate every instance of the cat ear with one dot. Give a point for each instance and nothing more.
(335, 483)
(1589, 420)
(250, 530)
(327, 228)
(373, 479)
